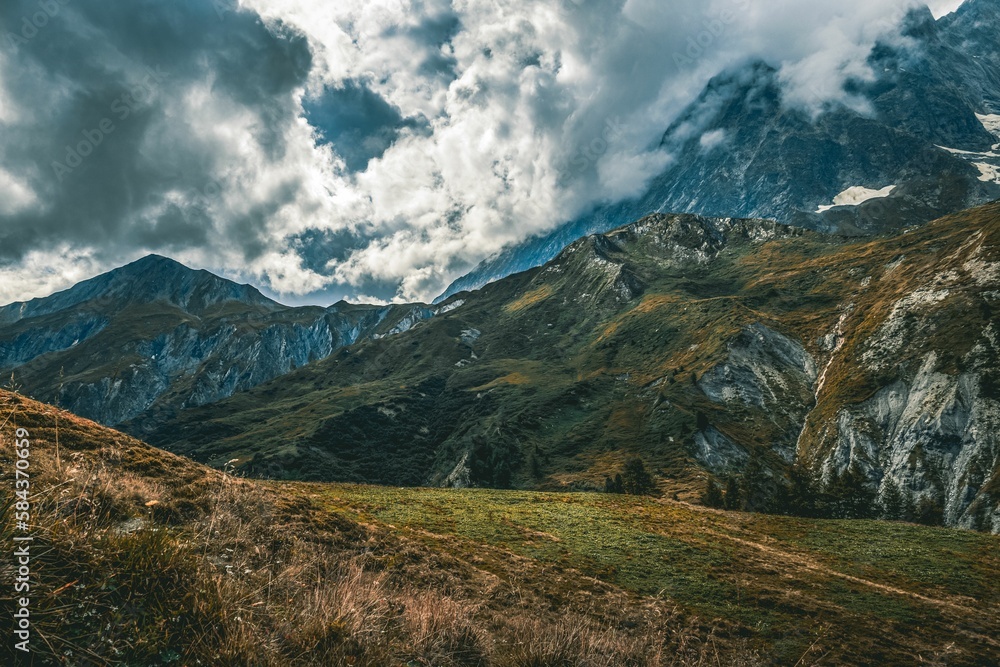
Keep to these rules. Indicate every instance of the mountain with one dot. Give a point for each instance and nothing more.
(141, 342)
(175, 563)
(726, 346)
(917, 142)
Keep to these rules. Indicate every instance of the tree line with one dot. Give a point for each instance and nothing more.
(846, 495)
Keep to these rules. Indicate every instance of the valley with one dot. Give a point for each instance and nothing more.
(500, 334)
(178, 562)
(697, 344)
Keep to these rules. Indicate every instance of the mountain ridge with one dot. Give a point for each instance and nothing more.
(154, 336)
(707, 346)
(769, 160)
(147, 279)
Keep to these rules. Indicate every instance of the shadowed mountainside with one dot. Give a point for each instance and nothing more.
(154, 337)
(700, 344)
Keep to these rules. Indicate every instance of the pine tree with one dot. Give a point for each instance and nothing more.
(732, 500)
(757, 495)
(615, 485)
(802, 493)
(713, 495)
(701, 420)
(850, 495)
(909, 507)
(637, 481)
(893, 503)
(860, 499)
(833, 503)
(534, 465)
(930, 511)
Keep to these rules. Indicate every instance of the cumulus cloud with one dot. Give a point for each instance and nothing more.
(364, 148)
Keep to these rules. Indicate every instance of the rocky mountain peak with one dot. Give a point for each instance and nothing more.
(155, 278)
(919, 23)
(978, 9)
(147, 280)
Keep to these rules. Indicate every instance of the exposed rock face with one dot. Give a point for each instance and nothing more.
(928, 358)
(768, 371)
(36, 341)
(936, 436)
(134, 346)
(764, 369)
(717, 452)
(740, 150)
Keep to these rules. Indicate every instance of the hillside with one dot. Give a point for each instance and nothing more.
(143, 557)
(918, 136)
(151, 338)
(703, 345)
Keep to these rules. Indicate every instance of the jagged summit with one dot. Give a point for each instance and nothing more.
(977, 9)
(752, 145)
(152, 278)
(154, 335)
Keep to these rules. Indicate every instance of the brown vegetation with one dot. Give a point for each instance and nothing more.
(145, 558)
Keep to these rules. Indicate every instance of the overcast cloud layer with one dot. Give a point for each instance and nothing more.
(373, 149)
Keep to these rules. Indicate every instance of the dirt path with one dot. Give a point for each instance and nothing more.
(806, 563)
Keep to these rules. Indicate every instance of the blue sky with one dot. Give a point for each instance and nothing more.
(367, 149)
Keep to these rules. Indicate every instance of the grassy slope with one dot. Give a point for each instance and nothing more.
(867, 592)
(560, 372)
(569, 385)
(151, 559)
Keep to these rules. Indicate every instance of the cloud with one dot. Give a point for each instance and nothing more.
(357, 122)
(361, 148)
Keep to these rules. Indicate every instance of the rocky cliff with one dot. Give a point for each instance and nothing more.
(916, 141)
(704, 345)
(138, 344)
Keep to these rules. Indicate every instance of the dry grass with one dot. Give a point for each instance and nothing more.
(146, 558)
(530, 299)
(511, 380)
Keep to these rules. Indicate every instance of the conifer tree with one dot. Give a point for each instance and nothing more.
(637, 480)
(732, 500)
(713, 495)
(893, 503)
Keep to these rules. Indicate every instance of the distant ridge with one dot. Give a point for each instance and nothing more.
(145, 340)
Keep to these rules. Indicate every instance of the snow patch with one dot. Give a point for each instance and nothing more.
(857, 195)
(970, 155)
(991, 122)
(959, 151)
(988, 172)
(451, 306)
